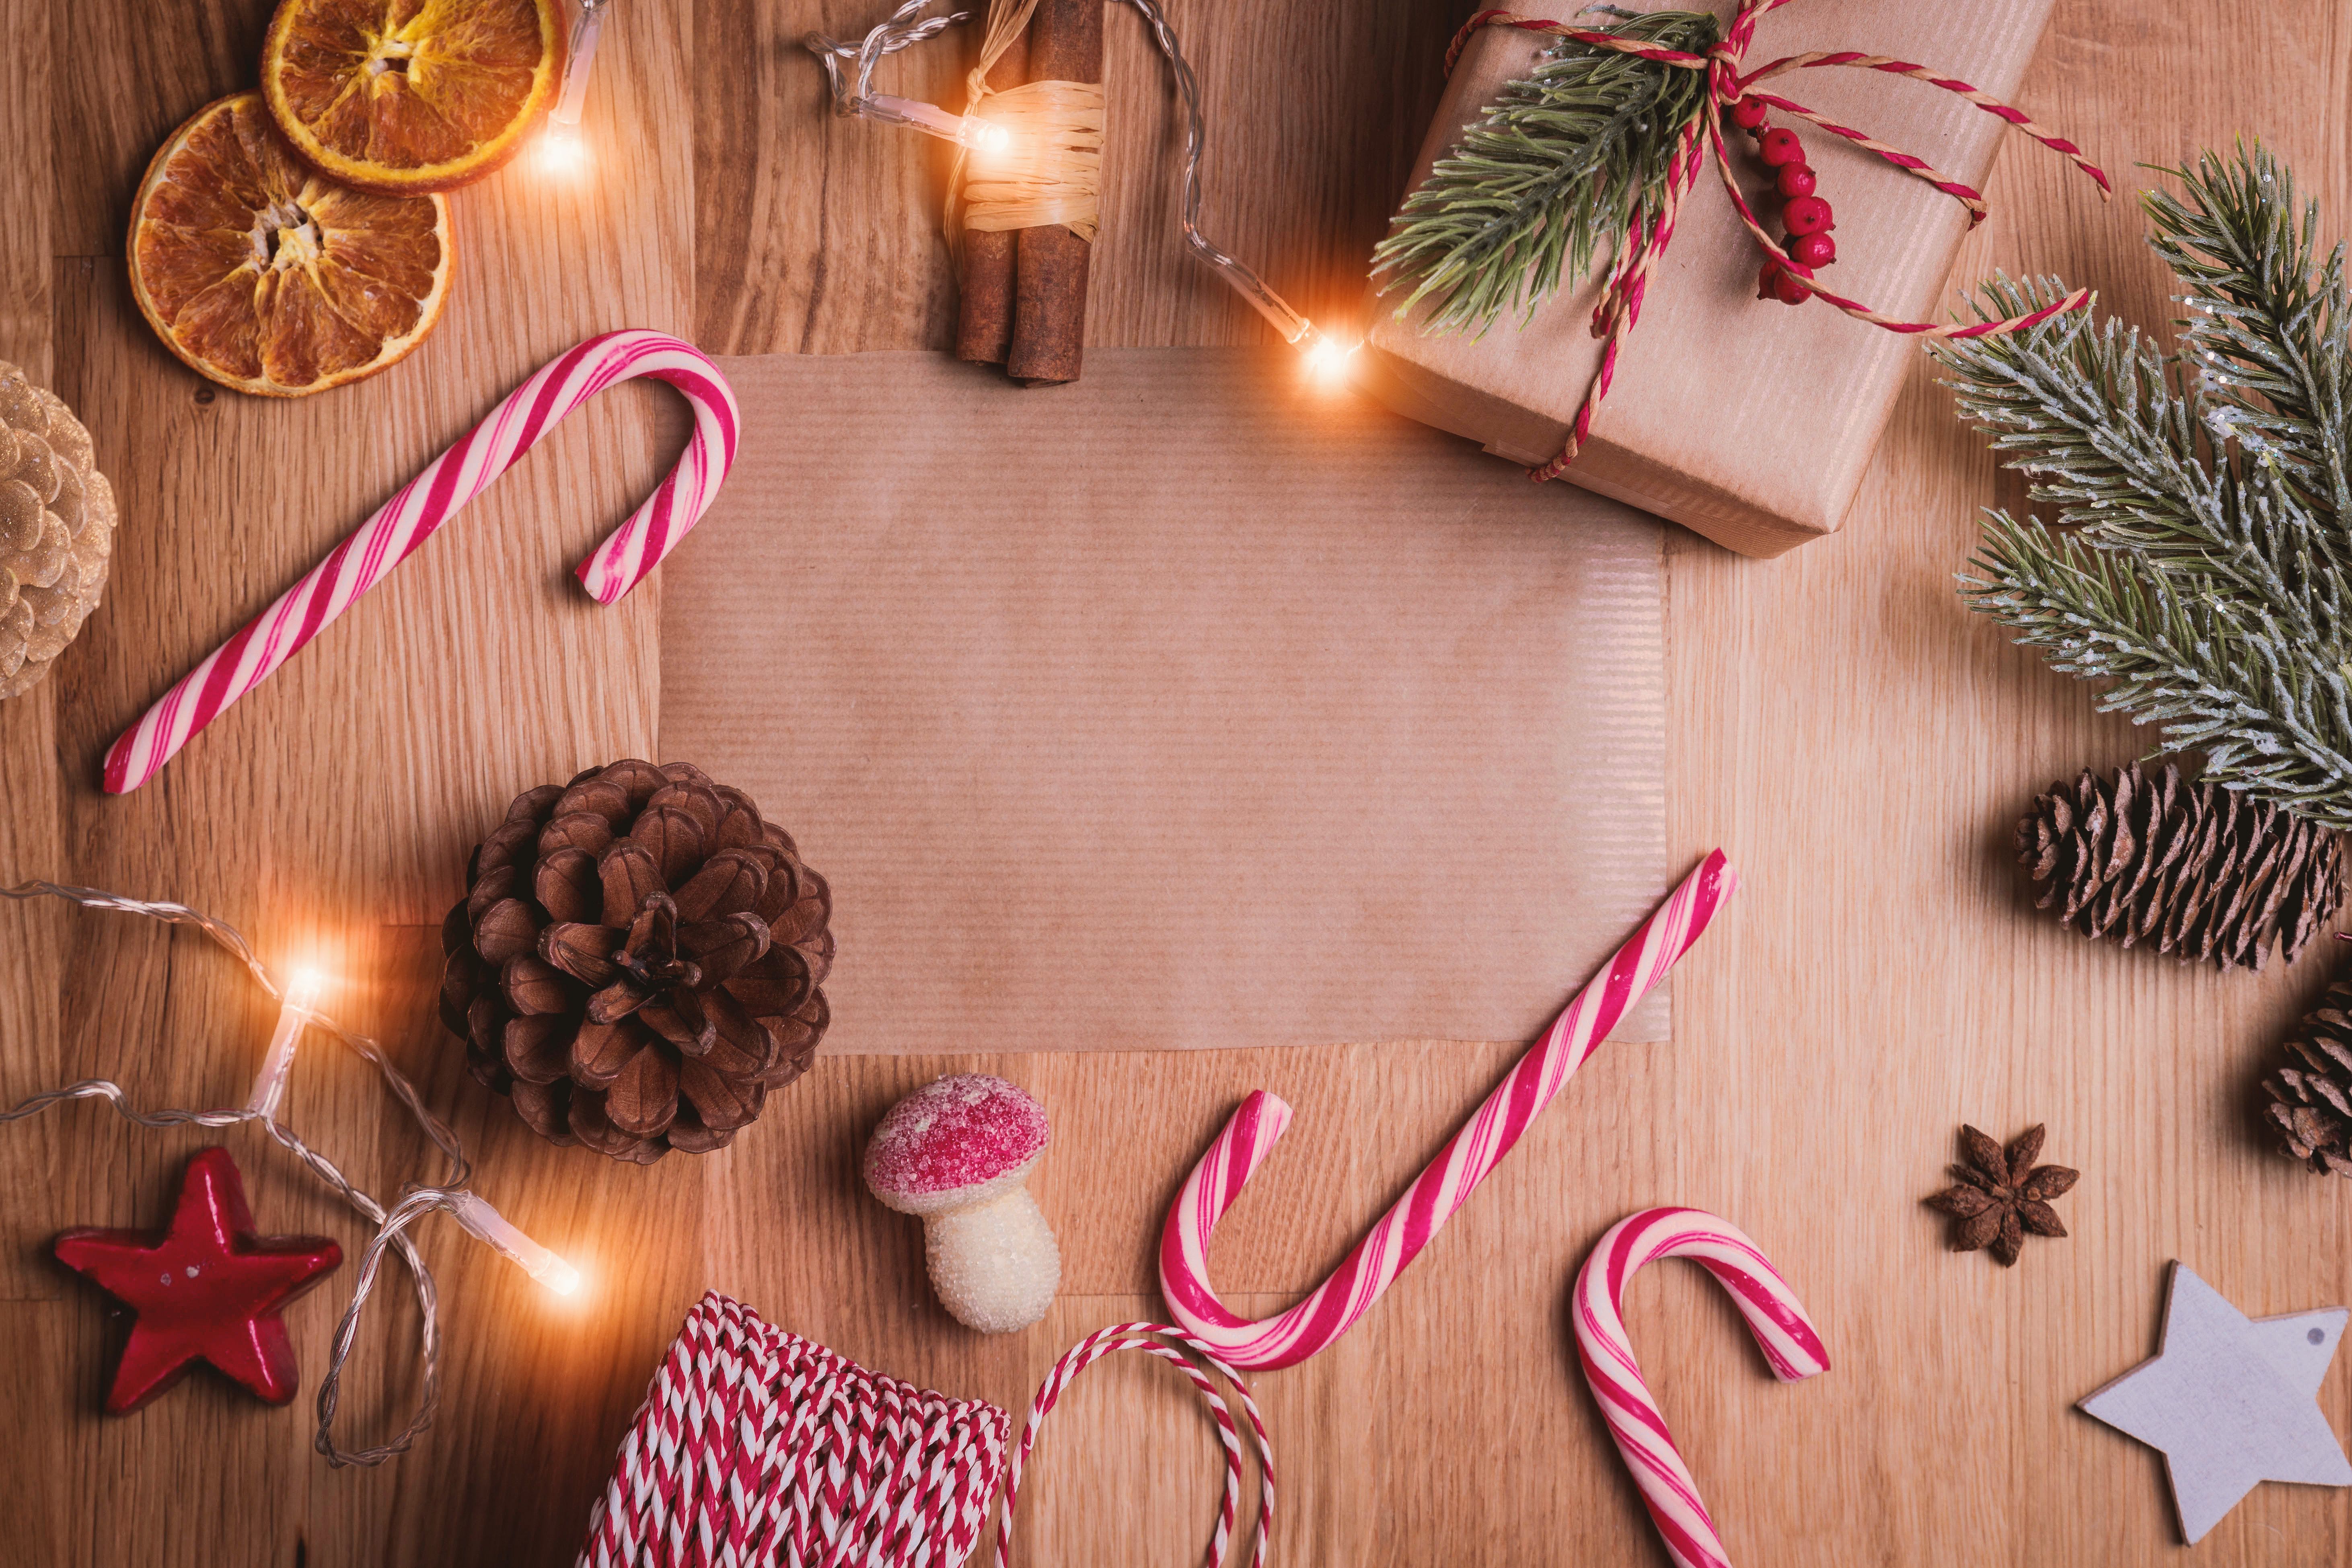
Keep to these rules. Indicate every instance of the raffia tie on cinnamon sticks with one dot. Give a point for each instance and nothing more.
(1024, 217)
(1052, 172)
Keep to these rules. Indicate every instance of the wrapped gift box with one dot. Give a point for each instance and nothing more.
(1749, 421)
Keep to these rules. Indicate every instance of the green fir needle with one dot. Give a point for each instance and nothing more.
(1548, 177)
(2193, 556)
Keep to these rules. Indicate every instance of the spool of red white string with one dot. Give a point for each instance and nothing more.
(755, 1446)
(435, 495)
(1787, 1336)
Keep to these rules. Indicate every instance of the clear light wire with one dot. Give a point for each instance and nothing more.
(277, 1064)
(579, 61)
(853, 94)
(392, 1227)
(1295, 328)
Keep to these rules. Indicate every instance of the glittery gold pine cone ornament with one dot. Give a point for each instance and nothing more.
(57, 529)
(2192, 869)
(638, 959)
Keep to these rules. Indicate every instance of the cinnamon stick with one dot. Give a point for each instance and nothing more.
(1049, 308)
(984, 276)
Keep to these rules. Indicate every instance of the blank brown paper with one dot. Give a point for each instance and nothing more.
(1189, 705)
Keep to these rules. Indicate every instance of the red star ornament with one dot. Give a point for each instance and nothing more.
(210, 1289)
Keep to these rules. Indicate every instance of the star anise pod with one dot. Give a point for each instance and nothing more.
(2001, 1193)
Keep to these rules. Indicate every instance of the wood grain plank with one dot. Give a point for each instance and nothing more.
(124, 75)
(1813, 1093)
(1884, 980)
(25, 231)
(330, 816)
(1858, 741)
(30, 939)
(821, 235)
(814, 234)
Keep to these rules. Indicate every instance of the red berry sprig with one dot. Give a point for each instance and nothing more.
(1807, 217)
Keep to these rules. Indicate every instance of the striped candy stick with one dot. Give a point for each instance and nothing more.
(1789, 1340)
(439, 493)
(1443, 1187)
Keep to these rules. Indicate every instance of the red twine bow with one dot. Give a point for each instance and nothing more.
(1629, 275)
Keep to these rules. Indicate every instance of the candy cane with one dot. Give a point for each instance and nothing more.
(439, 493)
(1154, 1339)
(1787, 1336)
(1441, 1189)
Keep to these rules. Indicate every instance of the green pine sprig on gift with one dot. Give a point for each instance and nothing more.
(1548, 177)
(2197, 560)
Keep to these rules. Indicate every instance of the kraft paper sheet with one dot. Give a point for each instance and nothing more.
(1187, 706)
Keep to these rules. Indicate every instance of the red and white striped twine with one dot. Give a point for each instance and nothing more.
(1439, 1190)
(439, 493)
(757, 1447)
(1787, 1336)
(1168, 1344)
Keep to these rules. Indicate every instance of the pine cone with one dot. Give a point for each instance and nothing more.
(2311, 1097)
(637, 960)
(2205, 871)
(57, 529)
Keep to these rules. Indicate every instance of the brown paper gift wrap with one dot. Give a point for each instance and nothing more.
(1746, 420)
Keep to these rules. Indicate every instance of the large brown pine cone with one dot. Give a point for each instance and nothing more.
(2204, 872)
(2309, 1102)
(638, 959)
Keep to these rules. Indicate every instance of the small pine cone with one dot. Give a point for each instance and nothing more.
(2203, 872)
(638, 959)
(2310, 1099)
(57, 529)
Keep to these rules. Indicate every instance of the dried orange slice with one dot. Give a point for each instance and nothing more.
(271, 279)
(401, 96)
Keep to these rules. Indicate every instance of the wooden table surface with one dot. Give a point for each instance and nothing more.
(1857, 740)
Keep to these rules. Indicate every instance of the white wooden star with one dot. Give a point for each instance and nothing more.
(2232, 1401)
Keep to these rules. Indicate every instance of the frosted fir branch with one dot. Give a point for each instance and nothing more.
(2267, 319)
(1548, 178)
(2092, 414)
(2197, 565)
(2178, 654)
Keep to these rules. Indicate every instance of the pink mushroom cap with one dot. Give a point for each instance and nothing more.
(958, 1140)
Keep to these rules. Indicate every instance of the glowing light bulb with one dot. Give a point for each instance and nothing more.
(485, 1224)
(278, 1062)
(982, 137)
(1327, 362)
(562, 152)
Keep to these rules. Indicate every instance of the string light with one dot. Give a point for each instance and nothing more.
(561, 149)
(963, 129)
(269, 1089)
(849, 73)
(296, 1013)
(495, 1231)
(853, 90)
(1327, 362)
